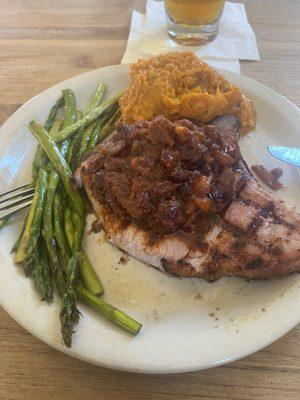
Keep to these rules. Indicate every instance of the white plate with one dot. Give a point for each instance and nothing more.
(188, 324)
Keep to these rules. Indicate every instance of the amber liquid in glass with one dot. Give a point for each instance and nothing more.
(194, 12)
(193, 19)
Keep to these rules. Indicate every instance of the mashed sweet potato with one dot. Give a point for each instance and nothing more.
(180, 85)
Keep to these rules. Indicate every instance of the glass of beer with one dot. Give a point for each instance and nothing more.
(193, 22)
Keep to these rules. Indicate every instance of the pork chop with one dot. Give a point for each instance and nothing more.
(243, 230)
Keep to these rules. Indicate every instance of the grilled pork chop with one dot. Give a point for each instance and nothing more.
(211, 219)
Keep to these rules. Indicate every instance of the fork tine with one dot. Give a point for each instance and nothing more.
(17, 188)
(14, 201)
(11, 210)
(11, 190)
(15, 192)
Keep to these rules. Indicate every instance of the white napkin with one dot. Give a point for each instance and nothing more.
(236, 39)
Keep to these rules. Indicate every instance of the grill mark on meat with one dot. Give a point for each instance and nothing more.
(217, 256)
(262, 213)
(273, 249)
(280, 221)
(255, 263)
(238, 244)
(256, 223)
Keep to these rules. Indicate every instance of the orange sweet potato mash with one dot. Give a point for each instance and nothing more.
(180, 85)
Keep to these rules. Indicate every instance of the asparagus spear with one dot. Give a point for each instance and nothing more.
(48, 233)
(79, 224)
(73, 157)
(39, 191)
(59, 164)
(40, 159)
(53, 112)
(58, 215)
(71, 116)
(69, 226)
(97, 98)
(112, 313)
(18, 241)
(102, 131)
(80, 137)
(69, 314)
(88, 133)
(86, 120)
(70, 112)
(40, 274)
(35, 228)
(74, 148)
(88, 275)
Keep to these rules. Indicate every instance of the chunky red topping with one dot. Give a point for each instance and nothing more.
(165, 176)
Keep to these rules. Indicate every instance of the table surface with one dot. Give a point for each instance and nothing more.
(45, 42)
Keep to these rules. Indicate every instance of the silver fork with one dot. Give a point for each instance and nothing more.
(15, 200)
